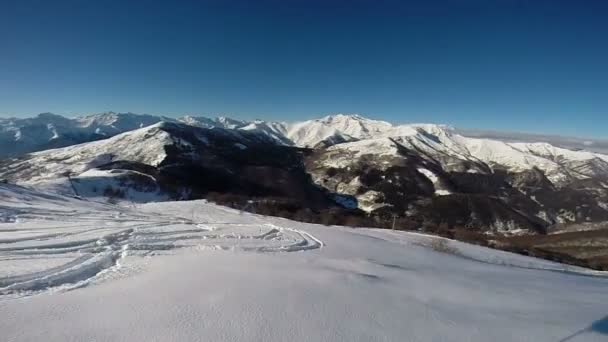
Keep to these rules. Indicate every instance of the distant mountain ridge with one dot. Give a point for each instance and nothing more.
(47, 130)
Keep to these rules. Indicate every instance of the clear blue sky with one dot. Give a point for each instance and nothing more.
(539, 66)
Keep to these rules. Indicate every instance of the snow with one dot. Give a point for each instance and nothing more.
(438, 142)
(94, 182)
(190, 271)
(371, 200)
(428, 174)
(309, 133)
(497, 152)
(273, 130)
(552, 152)
(342, 155)
(111, 123)
(17, 134)
(52, 129)
(95, 238)
(144, 145)
(435, 180)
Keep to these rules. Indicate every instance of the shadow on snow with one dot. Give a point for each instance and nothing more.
(600, 327)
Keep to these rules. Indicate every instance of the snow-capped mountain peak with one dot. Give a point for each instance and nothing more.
(230, 123)
(312, 132)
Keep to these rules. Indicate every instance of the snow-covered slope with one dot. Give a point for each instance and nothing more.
(402, 170)
(192, 271)
(110, 123)
(581, 164)
(310, 133)
(48, 130)
(221, 121)
(442, 143)
(275, 131)
(170, 160)
(144, 145)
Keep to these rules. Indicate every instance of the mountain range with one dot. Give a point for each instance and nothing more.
(47, 130)
(421, 173)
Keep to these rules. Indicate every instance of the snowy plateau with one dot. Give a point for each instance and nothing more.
(106, 235)
(78, 270)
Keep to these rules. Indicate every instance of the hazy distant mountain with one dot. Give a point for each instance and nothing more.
(46, 131)
(18, 136)
(593, 145)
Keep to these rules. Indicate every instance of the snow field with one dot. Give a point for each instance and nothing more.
(76, 270)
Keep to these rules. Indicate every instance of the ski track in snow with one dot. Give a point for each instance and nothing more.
(95, 241)
(47, 245)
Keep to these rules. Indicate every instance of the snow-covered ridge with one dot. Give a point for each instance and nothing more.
(47, 130)
(439, 141)
(311, 132)
(133, 165)
(48, 169)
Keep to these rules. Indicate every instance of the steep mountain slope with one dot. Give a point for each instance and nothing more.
(273, 130)
(443, 144)
(434, 177)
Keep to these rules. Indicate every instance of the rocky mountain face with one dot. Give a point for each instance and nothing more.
(417, 175)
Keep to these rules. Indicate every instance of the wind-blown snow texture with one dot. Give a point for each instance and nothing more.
(74, 270)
